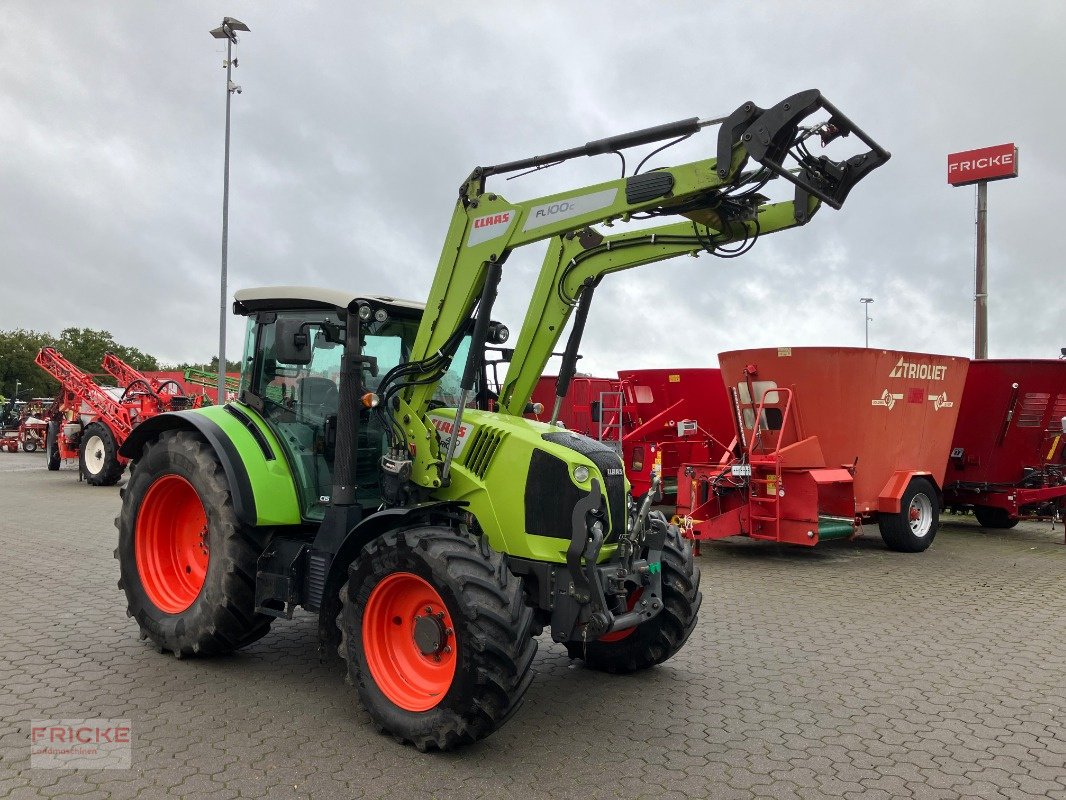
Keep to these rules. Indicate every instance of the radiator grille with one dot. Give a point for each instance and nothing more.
(481, 449)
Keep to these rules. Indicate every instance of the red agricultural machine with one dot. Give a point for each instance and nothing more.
(582, 409)
(657, 418)
(828, 438)
(674, 417)
(1008, 457)
(27, 425)
(90, 422)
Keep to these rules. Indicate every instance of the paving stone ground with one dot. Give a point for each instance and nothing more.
(842, 671)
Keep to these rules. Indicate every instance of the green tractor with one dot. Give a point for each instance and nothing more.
(372, 474)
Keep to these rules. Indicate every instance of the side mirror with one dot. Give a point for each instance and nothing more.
(292, 345)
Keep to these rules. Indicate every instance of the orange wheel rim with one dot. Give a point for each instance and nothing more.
(170, 542)
(617, 636)
(409, 641)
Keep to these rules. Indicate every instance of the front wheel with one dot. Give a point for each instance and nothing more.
(98, 455)
(436, 636)
(51, 446)
(187, 564)
(29, 445)
(656, 640)
(912, 530)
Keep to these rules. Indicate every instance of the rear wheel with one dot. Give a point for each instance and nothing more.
(436, 636)
(991, 517)
(98, 455)
(187, 564)
(656, 640)
(912, 530)
(51, 446)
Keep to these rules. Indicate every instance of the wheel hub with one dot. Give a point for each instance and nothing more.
(430, 634)
(409, 641)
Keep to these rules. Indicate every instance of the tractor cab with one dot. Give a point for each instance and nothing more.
(294, 345)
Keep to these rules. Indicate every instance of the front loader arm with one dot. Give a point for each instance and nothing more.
(713, 193)
(573, 263)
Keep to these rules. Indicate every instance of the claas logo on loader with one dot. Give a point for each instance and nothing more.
(493, 219)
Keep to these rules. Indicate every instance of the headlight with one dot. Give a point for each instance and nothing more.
(581, 474)
(365, 313)
(381, 315)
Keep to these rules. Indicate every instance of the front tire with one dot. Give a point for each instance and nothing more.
(187, 564)
(51, 446)
(992, 517)
(29, 445)
(656, 640)
(436, 636)
(98, 456)
(913, 529)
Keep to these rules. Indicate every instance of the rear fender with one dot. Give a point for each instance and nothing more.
(888, 501)
(262, 487)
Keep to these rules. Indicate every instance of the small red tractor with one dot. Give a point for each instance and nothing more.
(90, 422)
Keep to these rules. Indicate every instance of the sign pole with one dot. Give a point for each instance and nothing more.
(981, 166)
(980, 324)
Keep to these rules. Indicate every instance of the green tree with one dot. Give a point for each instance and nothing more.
(84, 347)
(18, 348)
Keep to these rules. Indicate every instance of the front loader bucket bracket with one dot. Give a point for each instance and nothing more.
(772, 136)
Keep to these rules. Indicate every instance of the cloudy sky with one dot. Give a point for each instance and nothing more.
(358, 121)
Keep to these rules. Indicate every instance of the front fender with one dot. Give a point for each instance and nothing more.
(259, 478)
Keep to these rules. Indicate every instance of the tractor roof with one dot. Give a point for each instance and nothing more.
(277, 298)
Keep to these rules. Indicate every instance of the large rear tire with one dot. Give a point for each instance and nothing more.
(656, 640)
(436, 635)
(187, 564)
(98, 455)
(913, 529)
(991, 517)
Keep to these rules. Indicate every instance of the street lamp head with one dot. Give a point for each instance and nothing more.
(866, 299)
(227, 29)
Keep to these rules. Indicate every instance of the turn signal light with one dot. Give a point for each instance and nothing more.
(371, 400)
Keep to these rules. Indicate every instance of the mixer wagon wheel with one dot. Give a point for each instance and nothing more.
(912, 530)
(99, 456)
(659, 638)
(991, 517)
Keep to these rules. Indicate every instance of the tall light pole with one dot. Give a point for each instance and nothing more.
(866, 313)
(227, 30)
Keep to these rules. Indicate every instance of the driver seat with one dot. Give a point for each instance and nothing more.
(317, 396)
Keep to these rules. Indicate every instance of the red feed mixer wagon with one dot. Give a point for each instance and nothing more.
(829, 438)
(1008, 457)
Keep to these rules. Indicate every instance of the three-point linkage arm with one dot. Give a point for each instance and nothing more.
(717, 198)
